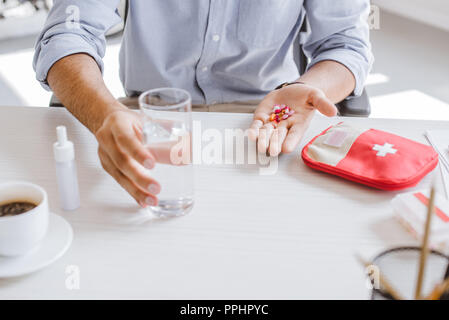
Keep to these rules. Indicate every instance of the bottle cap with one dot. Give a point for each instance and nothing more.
(63, 149)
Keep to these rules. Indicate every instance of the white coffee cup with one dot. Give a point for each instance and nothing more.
(22, 233)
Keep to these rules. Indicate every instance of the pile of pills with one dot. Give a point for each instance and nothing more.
(281, 112)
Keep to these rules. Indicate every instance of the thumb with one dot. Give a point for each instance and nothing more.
(320, 102)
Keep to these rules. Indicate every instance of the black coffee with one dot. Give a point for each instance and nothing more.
(15, 208)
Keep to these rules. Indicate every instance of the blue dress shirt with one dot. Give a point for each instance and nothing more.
(218, 50)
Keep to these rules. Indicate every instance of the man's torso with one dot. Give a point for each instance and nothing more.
(220, 51)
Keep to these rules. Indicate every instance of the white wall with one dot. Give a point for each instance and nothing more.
(433, 12)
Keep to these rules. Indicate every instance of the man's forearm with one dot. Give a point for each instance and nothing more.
(76, 80)
(333, 78)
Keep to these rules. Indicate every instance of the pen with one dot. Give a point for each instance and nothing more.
(425, 244)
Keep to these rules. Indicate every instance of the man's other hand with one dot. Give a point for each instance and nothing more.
(125, 158)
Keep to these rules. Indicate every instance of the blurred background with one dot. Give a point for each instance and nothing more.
(410, 78)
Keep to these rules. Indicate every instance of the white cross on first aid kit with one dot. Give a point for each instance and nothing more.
(384, 150)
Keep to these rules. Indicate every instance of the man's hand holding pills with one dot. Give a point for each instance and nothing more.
(284, 135)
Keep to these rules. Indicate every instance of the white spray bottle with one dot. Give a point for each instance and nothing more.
(66, 174)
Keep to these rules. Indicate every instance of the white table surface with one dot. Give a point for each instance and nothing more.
(291, 235)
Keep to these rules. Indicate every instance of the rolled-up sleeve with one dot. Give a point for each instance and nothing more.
(340, 32)
(74, 26)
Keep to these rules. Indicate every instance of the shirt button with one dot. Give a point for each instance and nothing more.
(204, 69)
(216, 38)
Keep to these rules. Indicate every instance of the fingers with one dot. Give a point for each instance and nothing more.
(264, 137)
(294, 137)
(269, 139)
(320, 102)
(288, 134)
(261, 116)
(125, 158)
(277, 139)
(253, 132)
(132, 169)
(129, 143)
(123, 152)
(143, 197)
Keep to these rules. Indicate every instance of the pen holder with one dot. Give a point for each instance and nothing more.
(400, 267)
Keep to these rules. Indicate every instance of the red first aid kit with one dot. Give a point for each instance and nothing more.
(368, 156)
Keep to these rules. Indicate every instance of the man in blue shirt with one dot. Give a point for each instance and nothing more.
(220, 51)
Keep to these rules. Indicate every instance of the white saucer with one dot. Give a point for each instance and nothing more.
(53, 246)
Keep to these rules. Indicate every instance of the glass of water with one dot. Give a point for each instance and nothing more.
(167, 133)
